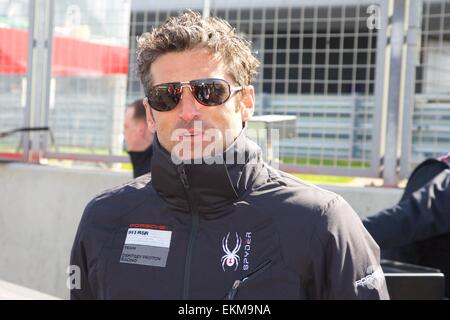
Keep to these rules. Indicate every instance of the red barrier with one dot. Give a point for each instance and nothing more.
(70, 56)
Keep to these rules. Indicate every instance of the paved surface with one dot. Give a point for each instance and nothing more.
(10, 291)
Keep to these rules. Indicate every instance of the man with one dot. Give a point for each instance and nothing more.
(138, 137)
(417, 229)
(202, 229)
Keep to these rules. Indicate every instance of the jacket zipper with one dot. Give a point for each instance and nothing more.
(195, 218)
(234, 289)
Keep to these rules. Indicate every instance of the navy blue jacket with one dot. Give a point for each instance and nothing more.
(417, 229)
(223, 231)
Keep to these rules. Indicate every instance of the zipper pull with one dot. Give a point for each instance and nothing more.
(234, 289)
(183, 177)
(232, 293)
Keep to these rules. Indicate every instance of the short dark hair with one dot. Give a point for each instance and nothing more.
(189, 30)
(139, 109)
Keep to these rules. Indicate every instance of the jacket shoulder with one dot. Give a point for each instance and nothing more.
(113, 203)
(323, 239)
(322, 211)
(292, 195)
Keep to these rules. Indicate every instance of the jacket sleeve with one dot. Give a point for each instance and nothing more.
(346, 258)
(80, 288)
(425, 214)
(85, 252)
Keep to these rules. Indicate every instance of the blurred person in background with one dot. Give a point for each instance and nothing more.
(417, 229)
(139, 138)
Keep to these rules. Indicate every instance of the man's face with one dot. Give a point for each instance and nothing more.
(223, 120)
(136, 132)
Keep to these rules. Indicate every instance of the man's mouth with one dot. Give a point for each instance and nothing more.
(193, 132)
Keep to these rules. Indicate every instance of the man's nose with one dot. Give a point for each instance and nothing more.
(188, 106)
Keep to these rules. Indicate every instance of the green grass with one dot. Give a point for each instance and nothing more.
(8, 149)
(14, 23)
(80, 150)
(319, 179)
(322, 179)
(126, 167)
(285, 159)
(325, 162)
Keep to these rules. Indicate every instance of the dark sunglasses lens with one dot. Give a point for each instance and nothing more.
(211, 92)
(164, 97)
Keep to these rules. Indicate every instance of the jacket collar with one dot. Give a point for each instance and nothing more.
(212, 186)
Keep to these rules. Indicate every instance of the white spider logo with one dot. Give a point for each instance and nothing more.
(231, 257)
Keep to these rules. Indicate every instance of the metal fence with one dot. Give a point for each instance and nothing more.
(76, 69)
(362, 109)
(427, 133)
(318, 62)
(14, 42)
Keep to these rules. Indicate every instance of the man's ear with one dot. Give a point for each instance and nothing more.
(149, 116)
(247, 103)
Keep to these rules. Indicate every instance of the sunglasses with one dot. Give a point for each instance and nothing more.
(208, 92)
